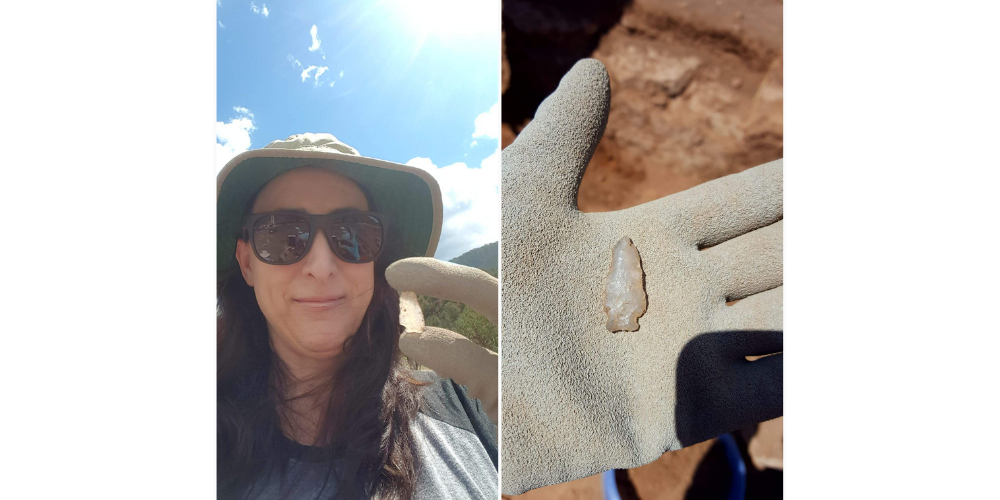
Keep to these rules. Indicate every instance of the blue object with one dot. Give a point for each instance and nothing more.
(738, 469)
(610, 487)
(738, 483)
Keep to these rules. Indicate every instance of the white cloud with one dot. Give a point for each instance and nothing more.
(473, 143)
(341, 73)
(259, 10)
(315, 45)
(319, 71)
(305, 72)
(488, 123)
(233, 137)
(333, 82)
(471, 199)
(221, 25)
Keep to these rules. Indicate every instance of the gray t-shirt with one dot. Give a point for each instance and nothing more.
(455, 446)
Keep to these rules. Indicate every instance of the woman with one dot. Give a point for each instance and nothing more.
(312, 399)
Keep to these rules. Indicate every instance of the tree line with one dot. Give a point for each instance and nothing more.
(460, 319)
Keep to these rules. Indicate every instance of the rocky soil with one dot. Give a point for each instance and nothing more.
(696, 88)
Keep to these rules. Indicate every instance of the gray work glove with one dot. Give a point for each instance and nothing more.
(449, 354)
(578, 399)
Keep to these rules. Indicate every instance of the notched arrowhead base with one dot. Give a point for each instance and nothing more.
(625, 298)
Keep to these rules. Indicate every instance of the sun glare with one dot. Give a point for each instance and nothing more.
(449, 18)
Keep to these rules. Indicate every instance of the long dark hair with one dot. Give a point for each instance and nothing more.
(367, 423)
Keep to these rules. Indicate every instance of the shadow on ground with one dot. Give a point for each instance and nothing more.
(544, 39)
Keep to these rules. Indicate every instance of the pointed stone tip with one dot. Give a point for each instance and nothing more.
(625, 299)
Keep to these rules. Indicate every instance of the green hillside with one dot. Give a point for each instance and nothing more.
(484, 257)
(455, 316)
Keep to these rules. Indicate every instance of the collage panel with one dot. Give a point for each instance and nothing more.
(357, 205)
(641, 250)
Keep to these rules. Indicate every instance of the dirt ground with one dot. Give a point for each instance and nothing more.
(696, 91)
(697, 472)
(696, 94)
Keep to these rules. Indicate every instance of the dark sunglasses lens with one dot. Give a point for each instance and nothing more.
(281, 238)
(357, 238)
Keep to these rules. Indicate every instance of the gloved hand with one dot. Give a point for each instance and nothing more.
(449, 354)
(578, 399)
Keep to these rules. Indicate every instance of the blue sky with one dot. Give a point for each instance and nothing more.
(400, 80)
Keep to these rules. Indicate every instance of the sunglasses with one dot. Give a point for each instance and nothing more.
(284, 238)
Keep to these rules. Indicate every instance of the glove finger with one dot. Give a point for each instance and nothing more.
(762, 311)
(735, 345)
(453, 356)
(718, 391)
(762, 382)
(730, 206)
(445, 280)
(548, 158)
(749, 264)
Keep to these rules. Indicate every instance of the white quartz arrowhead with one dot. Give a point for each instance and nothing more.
(626, 299)
(410, 315)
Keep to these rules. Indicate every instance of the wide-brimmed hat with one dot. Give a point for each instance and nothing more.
(408, 195)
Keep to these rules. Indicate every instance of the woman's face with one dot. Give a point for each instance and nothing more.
(314, 305)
